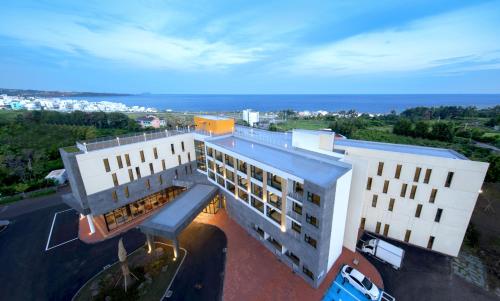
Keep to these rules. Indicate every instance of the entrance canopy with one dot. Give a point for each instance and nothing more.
(178, 214)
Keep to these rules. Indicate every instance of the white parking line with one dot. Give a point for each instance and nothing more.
(342, 287)
(52, 228)
(176, 271)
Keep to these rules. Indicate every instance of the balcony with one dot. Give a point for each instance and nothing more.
(295, 195)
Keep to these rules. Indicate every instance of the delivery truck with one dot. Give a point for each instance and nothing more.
(384, 251)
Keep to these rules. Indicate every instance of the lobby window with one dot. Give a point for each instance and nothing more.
(427, 176)
(380, 168)
(296, 227)
(155, 152)
(407, 235)
(369, 183)
(432, 198)
(182, 146)
(413, 191)
(106, 165)
(297, 208)
(416, 177)
(119, 161)
(179, 159)
(274, 181)
(130, 174)
(391, 204)
(314, 198)
(148, 184)
(163, 166)
(386, 186)
(377, 228)
(257, 190)
(127, 160)
(172, 149)
(256, 173)
(430, 243)
(374, 201)
(439, 212)
(362, 224)
(138, 172)
(418, 211)
(398, 171)
(307, 272)
(404, 187)
(151, 168)
(449, 178)
(386, 229)
(127, 193)
(143, 159)
(312, 220)
(311, 241)
(114, 196)
(115, 179)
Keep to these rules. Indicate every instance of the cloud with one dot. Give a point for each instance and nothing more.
(122, 41)
(465, 39)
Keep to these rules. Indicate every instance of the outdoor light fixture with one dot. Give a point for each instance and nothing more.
(283, 228)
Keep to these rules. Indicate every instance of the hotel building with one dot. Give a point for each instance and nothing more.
(304, 194)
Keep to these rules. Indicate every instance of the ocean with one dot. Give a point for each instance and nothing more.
(361, 103)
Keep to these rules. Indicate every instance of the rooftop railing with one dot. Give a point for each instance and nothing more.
(274, 138)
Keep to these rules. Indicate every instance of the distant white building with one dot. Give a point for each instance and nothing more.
(58, 175)
(251, 117)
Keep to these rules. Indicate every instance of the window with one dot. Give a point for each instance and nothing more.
(407, 235)
(386, 186)
(189, 157)
(296, 227)
(160, 180)
(143, 159)
(119, 161)
(242, 166)
(242, 194)
(230, 175)
(257, 190)
(176, 174)
(274, 181)
(151, 168)
(413, 191)
(274, 200)
(127, 193)
(311, 241)
(380, 168)
(377, 228)
(172, 149)
(256, 173)
(179, 159)
(210, 152)
(312, 220)
(138, 172)
(427, 176)
(313, 198)
(386, 229)
(230, 186)
(131, 174)
(369, 183)
(185, 169)
(438, 215)
(229, 160)
(182, 146)
(430, 242)
(403, 190)
(115, 179)
(416, 177)
(257, 204)
(148, 184)
(374, 201)
(163, 166)
(155, 152)
(307, 272)
(391, 204)
(297, 208)
(114, 196)
(398, 171)
(363, 222)
(418, 211)
(127, 160)
(106, 165)
(293, 257)
(243, 182)
(449, 177)
(432, 198)
(274, 215)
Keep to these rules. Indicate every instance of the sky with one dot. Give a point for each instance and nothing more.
(251, 47)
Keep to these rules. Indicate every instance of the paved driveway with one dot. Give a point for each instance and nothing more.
(426, 275)
(29, 272)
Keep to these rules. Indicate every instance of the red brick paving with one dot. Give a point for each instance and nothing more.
(254, 273)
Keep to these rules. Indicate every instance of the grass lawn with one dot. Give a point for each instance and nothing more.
(308, 124)
(160, 269)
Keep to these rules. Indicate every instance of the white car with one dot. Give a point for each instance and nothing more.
(360, 282)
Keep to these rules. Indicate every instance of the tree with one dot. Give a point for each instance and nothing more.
(421, 129)
(403, 127)
(442, 131)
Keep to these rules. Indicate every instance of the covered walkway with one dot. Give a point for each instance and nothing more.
(174, 217)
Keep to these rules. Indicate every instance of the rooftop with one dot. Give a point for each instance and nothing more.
(211, 117)
(401, 148)
(315, 169)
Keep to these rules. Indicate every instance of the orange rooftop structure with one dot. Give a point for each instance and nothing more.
(214, 124)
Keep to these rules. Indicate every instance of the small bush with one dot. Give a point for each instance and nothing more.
(472, 236)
